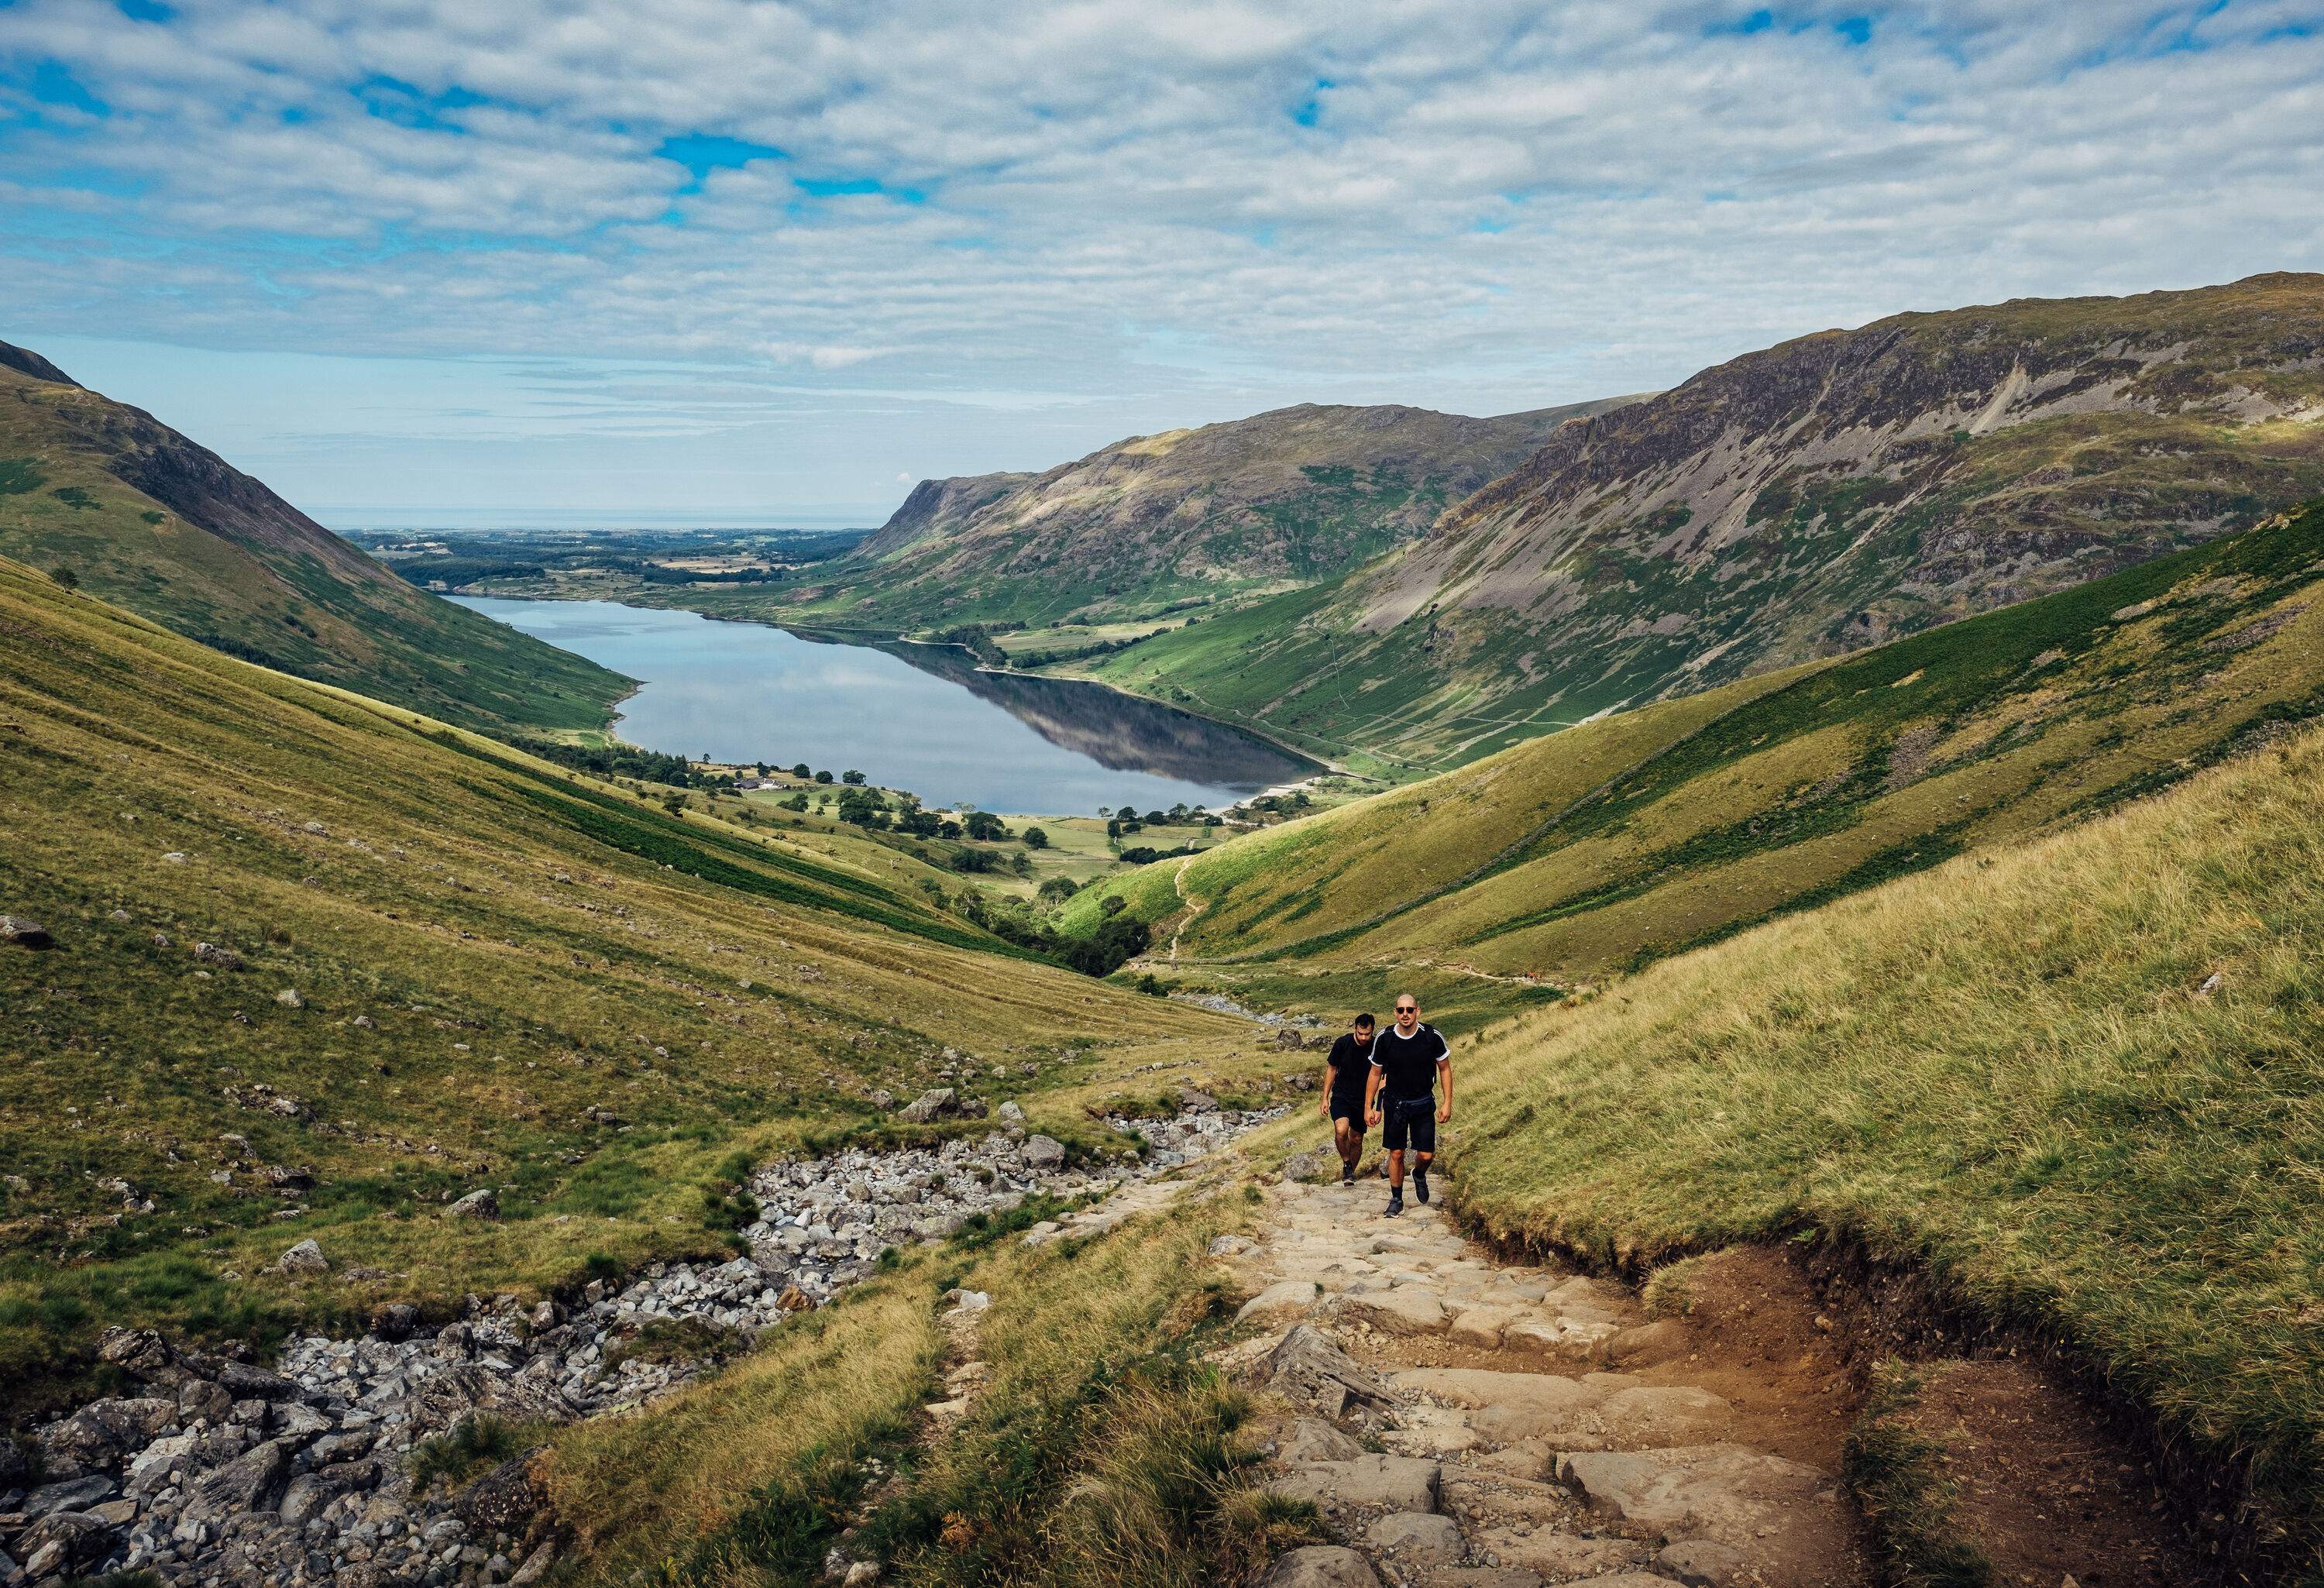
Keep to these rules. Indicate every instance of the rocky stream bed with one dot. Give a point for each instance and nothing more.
(220, 1470)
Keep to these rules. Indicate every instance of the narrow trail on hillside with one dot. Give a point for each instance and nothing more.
(1179, 882)
(1465, 1423)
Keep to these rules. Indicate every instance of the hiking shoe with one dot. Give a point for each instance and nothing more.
(1420, 1184)
(1347, 1174)
(1395, 1204)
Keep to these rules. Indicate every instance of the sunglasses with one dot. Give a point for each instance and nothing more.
(1407, 1008)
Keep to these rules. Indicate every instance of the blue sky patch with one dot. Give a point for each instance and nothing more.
(703, 153)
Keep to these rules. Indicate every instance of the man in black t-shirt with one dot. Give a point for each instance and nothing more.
(1407, 1058)
(1346, 1076)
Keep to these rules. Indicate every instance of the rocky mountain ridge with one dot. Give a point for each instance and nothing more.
(1800, 502)
(1285, 496)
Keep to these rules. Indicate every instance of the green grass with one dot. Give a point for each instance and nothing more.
(2007, 1070)
(484, 948)
(1603, 847)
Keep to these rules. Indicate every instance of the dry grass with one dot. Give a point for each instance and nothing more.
(1100, 1451)
(2016, 1069)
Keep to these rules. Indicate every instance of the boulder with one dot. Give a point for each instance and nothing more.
(306, 1258)
(1307, 1164)
(395, 1320)
(226, 959)
(289, 999)
(502, 1500)
(1559, 1555)
(62, 1542)
(246, 1382)
(1279, 1303)
(1313, 1439)
(249, 1483)
(1043, 1152)
(1321, 1566)
(1366, 1482)
(1404, 1310)
(930, 1105)
(1665, 1340)
(1481, 1326)
(1288, 1041)
(479, 1204)
(1418, 1538)
(13, 1467)
(24, 932)
(1727, 1493)
(309, 1493)
(73, 1495)
(142, 1353)
(100, 1435)
(1309, 1370)
(1702, 1563)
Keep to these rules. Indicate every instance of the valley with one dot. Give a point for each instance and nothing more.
(1910, 981)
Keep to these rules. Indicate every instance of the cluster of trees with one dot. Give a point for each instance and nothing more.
(624, 760)
(1128, 819)
(976, 639)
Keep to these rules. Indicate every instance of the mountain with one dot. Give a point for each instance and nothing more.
(1573, 857)
(109, 497)
(1798, 503)
(297, 929)
(1279, 499)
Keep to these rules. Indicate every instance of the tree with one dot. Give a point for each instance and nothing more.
(66, 577)
(823, 777)
(796, 802)
(984, 826)
(1021, 864)
(1034, 838)
(1057, 890)
(799, 771)
(1155, 819)
(1127, 813)
(851, 776)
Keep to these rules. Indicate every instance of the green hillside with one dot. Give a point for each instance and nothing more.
(1798, 503)
(504, 975)
(1575, 855)
(106, 496)
(2075, 1081)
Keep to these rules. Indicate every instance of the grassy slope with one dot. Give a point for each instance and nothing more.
(1100, 1452)
(214, 554)
(525, 945)
(2009, 1069)
(1578, 853)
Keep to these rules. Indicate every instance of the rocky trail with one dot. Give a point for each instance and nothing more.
(213, 1469)
(1464, 1423)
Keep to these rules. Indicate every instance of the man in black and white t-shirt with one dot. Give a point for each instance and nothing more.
(1407, 1058)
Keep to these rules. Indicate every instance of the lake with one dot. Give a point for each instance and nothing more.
(921, 717)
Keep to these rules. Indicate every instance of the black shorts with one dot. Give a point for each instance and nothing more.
(1411, 1118)
(1351, 1109)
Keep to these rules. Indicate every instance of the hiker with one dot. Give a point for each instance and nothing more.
(1406, 1060)
(1347, 1076)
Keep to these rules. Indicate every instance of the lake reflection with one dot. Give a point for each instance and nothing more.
(909, 716)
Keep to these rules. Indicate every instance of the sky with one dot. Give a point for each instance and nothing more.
(746, 262)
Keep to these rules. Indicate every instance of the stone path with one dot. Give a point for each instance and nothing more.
(1463, 1423)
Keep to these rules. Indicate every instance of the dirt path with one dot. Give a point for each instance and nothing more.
(1465, 1423)
(1179, 882)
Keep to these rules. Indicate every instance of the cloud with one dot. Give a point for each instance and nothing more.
(1117, 214)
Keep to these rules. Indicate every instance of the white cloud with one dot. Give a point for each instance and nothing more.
(1112, 213)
